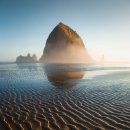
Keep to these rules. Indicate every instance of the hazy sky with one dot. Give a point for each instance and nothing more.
(104, 26)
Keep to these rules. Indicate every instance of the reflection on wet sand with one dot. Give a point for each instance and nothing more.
(62, 76)
(29, 67)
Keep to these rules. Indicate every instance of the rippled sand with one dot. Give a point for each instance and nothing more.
(64, 97)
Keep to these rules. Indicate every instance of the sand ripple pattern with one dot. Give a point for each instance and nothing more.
(28, 101)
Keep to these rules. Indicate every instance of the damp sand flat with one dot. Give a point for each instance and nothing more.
(64, 97)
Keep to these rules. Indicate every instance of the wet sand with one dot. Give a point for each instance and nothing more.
(64, 97)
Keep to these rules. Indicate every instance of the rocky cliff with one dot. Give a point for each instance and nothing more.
(64, 45)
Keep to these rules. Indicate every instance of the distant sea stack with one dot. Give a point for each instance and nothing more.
(64, 45)
(26, 59)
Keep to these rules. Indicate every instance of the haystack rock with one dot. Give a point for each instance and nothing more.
(64, 45)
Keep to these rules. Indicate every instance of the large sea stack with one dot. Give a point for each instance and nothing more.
(64, 45)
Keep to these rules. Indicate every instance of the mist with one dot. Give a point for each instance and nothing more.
(69, 54)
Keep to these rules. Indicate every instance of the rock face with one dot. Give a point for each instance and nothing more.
(64, 46)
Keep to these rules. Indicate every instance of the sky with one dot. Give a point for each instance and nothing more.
(104, 26)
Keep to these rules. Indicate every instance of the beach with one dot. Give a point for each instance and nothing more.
(64, 97)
